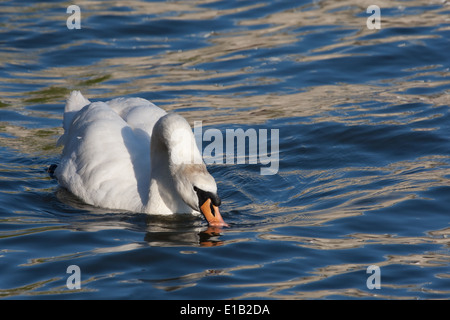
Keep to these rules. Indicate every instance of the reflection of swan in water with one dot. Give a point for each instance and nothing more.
(160, 230)
(164, 232)
(128, 154)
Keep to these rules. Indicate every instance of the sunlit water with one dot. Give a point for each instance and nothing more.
(364, 148)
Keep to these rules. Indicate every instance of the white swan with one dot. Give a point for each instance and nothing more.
(128, 154)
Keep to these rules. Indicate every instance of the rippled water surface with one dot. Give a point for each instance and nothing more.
(364, 148)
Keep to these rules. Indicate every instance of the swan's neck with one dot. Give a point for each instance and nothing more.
(163, 196)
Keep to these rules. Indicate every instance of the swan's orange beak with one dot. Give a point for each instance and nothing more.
(212, 214)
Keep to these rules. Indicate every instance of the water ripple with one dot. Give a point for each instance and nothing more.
(363, 120)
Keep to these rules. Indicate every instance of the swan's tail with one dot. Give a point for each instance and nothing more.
(75, 103)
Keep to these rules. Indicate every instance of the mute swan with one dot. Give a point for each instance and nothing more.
(128, 154)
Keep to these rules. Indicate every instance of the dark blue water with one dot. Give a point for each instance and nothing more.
(364, 148)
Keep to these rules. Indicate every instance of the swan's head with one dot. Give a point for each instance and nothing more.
(192, 181)
(198, 190)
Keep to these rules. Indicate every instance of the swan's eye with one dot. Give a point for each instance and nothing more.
(204, 195)
(215, 199)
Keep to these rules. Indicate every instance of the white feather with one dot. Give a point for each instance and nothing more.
(128, 154)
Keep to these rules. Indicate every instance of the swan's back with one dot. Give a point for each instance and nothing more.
(106, 156)
(138, 113)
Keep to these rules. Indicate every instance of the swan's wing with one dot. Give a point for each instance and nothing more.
(106, 158)
(137, 113)
(75, 103)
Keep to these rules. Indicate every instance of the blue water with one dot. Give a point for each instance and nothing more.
(364, 148)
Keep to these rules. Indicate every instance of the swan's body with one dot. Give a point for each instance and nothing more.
(128, 154)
